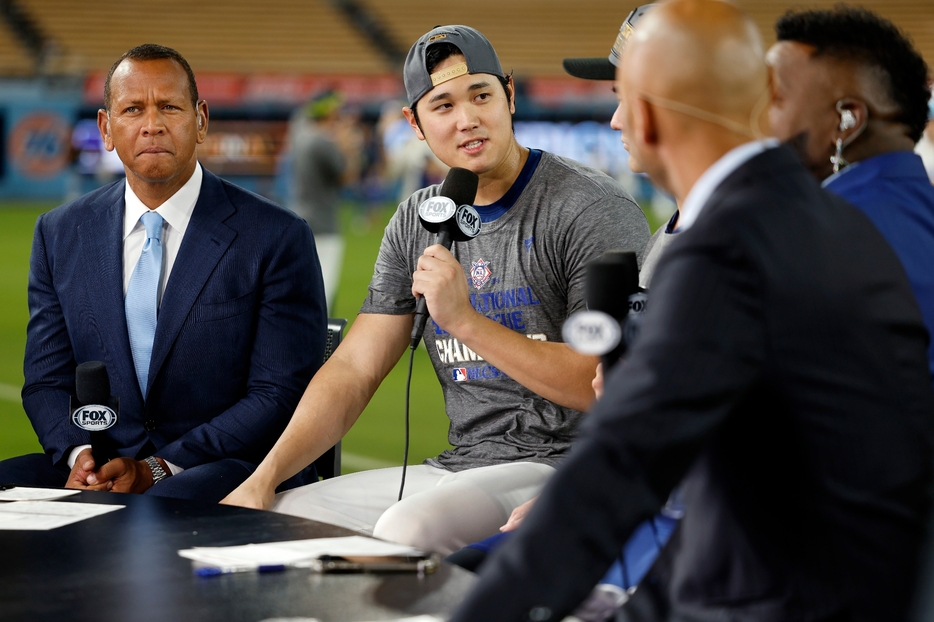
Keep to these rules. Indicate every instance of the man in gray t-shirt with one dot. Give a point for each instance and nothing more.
(513, 392)
(525, 271)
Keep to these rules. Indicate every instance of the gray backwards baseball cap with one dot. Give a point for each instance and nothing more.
(605, 68)
(478, 53)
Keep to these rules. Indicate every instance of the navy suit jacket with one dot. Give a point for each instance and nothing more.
(780, 370)
(241, 328)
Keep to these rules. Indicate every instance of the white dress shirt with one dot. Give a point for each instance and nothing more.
(721, 169)
(176, 212)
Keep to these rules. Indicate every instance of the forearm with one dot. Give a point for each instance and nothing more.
(549, 369)
(327, 410)
(336, 396)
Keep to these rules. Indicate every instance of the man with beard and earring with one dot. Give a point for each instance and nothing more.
(851, 93)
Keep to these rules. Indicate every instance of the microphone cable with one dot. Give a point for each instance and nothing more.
(408, 389)
(452, 217)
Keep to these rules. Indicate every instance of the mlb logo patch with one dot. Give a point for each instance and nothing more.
(480, 273)
(460, 374)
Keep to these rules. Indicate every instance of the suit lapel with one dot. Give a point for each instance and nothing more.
(101, 254)
(206, 240)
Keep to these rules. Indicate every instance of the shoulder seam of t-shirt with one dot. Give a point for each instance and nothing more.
(591, 179)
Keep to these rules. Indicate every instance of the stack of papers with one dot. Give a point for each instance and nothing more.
(32, 516)
(297, 553)
(21, 493)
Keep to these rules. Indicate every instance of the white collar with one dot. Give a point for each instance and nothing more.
(176, 210)
(705, 185)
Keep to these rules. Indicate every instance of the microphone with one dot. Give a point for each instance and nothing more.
(453, 218)
(95, 409)
(610, 281)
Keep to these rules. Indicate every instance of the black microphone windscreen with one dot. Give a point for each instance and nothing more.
(92, 384)
(611, 279)
(460, 186)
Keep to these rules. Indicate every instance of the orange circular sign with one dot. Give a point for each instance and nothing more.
(40, 144)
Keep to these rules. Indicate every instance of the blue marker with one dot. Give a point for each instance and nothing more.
(213, 571)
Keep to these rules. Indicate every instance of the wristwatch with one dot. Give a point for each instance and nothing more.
(158, 473)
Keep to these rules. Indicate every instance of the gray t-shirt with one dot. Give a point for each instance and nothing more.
(526, 271)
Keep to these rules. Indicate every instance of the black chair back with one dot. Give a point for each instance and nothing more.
(328, 464)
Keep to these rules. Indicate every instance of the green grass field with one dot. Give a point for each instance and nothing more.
(16, 224)
(376, 440)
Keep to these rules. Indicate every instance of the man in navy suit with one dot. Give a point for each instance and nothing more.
(238, 317)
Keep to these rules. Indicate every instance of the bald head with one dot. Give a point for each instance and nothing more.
(706, 55)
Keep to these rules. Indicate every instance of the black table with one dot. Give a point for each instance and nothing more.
(125, 566)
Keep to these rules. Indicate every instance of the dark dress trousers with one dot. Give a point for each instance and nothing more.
(241, 330)
(781, 373)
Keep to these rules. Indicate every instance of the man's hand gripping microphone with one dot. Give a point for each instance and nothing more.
(95, 409)
(452, 217)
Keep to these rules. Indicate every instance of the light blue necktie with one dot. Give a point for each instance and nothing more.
(142, 298)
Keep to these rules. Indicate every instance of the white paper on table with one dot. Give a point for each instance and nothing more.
(421, 618)
(295, 552)
(35, 494)
(45, 515)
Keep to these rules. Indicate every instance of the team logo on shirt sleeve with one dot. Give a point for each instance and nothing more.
(480, 273)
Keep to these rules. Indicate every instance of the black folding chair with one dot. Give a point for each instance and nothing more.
(328, 464)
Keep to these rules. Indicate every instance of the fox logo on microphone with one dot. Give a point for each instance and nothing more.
(94, 417)
(468, 220)
(437, 209)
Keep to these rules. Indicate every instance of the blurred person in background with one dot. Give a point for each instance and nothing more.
(325, 156)
(409, 163)
(851, 93)
(513, 392)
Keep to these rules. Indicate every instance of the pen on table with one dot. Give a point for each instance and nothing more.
(214, 571)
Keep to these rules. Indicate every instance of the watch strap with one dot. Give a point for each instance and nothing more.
(158, 473)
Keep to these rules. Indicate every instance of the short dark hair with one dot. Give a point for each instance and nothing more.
(440, 52)
(152, 51)
(857, 34)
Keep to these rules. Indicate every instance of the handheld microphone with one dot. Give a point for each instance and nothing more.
(610, 281)
(95, 409)
(453, 218)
